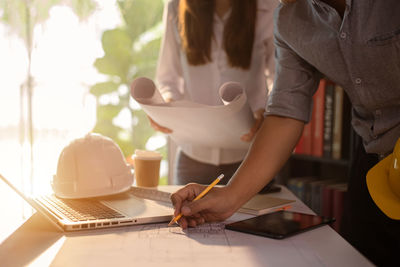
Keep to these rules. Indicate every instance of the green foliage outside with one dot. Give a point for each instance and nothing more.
(130, 51)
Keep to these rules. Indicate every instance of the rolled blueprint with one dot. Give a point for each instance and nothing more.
(144, 91)
(198, 124)
(230, 91)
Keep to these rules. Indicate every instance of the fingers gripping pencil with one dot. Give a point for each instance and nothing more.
(202, 194)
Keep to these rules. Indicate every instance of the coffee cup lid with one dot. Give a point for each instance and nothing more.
(147, 155)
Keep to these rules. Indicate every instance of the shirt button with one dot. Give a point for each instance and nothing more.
(358, 81)
(343, 35)
(378, 112)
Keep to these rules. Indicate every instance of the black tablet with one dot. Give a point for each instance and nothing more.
(279, 224)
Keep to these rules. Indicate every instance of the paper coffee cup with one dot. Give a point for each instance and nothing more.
(147, 168)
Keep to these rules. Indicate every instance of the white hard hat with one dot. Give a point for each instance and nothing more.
(90, 167)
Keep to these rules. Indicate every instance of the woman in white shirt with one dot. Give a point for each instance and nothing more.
(207, 43)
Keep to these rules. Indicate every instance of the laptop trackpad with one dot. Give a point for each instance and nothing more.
(132, 206)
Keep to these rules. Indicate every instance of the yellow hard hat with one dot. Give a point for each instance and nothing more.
(383, 181)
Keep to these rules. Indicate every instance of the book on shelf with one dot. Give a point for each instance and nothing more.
(307, 138)
(326, 207)
(324, 196)
(300, 187)
(338, 198)
(307, 197)
(327, 134)
(337, 123)
(328, 119)
(333, 202)
(299, 148)
(318, 120)
(341, 124)
(346, 128)
(316, 194)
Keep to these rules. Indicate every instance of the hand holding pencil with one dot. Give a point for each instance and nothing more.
(192, 208)
(205, 191)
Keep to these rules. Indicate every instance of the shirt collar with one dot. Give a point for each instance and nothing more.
(224, 18)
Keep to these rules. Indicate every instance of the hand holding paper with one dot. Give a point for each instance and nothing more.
(158, 127)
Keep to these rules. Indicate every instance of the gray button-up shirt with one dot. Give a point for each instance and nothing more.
(360, 52)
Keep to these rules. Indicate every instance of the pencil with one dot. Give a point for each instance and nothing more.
(205, 191)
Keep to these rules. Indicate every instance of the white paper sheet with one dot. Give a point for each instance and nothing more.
(198, 124)
(159, 245)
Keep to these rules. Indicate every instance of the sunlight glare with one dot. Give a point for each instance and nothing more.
(156, 141)
(123, 119)
(64, 51)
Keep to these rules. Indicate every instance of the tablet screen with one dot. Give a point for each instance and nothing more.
(279, 224)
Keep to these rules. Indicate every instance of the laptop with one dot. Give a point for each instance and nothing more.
(95, 213)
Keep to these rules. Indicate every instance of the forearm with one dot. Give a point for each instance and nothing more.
(270, 150)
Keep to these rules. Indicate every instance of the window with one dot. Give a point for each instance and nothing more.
(80, 68)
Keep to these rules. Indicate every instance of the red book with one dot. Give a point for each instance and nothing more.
(338, 196)
(327, 201)
(318, 120)
(299, 149)
(307, 138)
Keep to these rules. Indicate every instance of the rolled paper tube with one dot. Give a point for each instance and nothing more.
(144, 91)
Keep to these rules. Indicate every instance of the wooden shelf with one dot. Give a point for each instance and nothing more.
(341, 162)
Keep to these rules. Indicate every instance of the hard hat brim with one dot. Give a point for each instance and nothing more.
(379, 188)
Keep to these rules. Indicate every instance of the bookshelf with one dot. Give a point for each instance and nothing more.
(318, 170)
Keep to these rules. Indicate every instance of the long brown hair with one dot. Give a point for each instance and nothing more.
(196, 31)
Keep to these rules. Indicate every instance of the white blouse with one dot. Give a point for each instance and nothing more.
(177, 79)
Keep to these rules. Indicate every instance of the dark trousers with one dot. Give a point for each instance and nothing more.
(188, 170)
(364, 225)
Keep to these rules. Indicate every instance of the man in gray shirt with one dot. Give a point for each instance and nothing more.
(360, 52)
(356, 44)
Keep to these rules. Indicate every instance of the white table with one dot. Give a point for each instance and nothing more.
(37, 243)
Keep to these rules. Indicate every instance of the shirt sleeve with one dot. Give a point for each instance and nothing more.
(169, 67)
(295, 83)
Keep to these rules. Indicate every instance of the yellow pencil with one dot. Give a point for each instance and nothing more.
(205, 191)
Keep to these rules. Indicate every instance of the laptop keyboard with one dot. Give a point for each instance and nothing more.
(82, 209)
